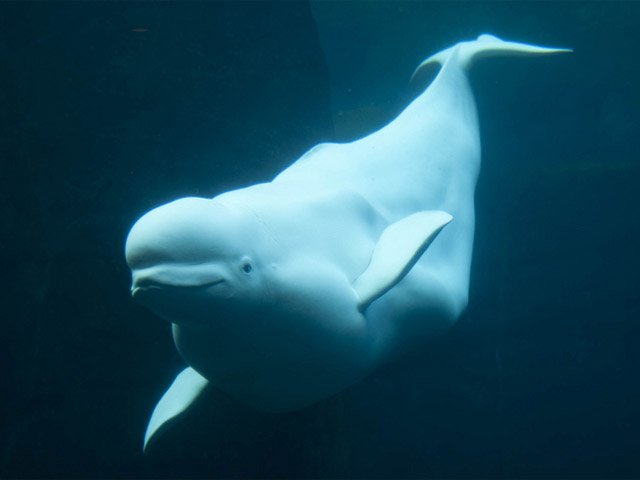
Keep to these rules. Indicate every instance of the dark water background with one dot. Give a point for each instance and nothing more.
(110, 109)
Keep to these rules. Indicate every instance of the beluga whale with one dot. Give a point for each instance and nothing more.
(283, 293)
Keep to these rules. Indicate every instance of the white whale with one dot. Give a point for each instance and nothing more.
(283, 293)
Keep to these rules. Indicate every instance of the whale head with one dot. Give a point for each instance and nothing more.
(271, 327)
(194, 258)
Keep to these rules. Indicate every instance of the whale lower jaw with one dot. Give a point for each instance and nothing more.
(184, 305)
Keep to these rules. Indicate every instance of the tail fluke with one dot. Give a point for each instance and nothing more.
(486, 46)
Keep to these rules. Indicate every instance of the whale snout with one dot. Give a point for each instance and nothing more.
(161, 276)
(191, 259)
(143, 284)
(174, 246)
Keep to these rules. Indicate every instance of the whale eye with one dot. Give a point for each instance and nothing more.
(247, 267)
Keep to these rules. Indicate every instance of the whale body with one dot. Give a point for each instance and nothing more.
(283, 293)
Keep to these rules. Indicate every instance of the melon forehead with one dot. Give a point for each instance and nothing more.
(187, 230)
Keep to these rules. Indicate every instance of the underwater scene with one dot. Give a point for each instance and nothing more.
(320, 239)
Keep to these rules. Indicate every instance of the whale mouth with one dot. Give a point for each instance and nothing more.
(175, 277)
(143, 285)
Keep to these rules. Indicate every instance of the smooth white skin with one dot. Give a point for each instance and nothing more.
(286, 331)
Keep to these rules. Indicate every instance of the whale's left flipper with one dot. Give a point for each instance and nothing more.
(398, 249)
(183, 391)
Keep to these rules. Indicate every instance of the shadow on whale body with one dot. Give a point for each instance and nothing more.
(283, 293)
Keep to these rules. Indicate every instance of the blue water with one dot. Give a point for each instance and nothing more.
(109, 109)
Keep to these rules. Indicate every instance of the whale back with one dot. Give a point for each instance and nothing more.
(412, 163)
(426, 159)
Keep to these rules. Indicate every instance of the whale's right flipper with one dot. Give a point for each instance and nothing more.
(398, 249)
(181, 394)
